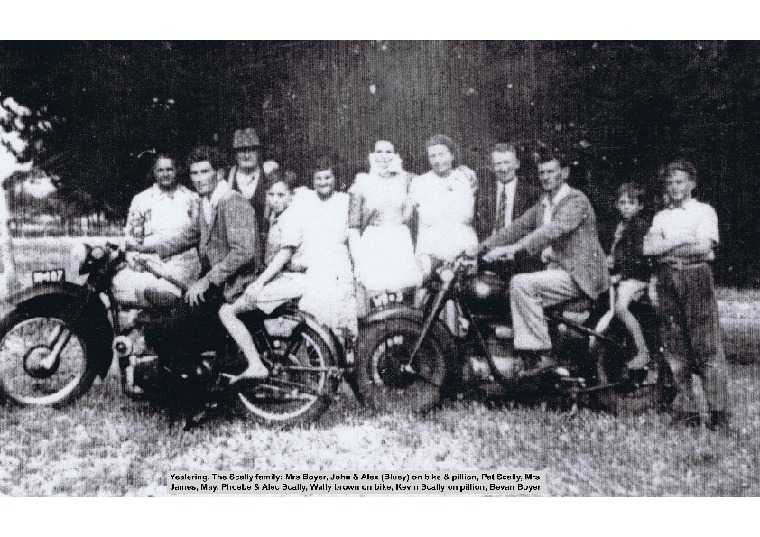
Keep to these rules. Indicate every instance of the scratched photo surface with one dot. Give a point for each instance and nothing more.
(257, 304)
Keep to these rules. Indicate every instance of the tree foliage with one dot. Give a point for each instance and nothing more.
(625, 107)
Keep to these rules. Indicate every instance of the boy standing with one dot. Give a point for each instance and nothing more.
(683, 237)
(629, 268)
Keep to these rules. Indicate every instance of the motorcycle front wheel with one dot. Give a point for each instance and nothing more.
(44, 357)
(304, 378)
(387, 378)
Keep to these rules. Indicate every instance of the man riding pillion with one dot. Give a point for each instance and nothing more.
(227, 253)
(561, 226)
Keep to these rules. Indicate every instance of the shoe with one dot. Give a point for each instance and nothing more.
(251, 373)
(688, 419)
(718, 421)
(537, 359)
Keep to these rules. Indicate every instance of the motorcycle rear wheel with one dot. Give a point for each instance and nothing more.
(28, 375)
(611, 359)
(387, 380)
(301, 385)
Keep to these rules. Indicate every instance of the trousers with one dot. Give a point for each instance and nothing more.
(690, 332)
(530, 293)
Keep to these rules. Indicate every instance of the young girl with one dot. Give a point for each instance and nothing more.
(283, 278)
(314, 228)
(629, 268)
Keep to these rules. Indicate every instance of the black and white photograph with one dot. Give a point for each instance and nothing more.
(459, 256)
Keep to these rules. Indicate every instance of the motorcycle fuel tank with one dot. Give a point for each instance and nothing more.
(486, 293)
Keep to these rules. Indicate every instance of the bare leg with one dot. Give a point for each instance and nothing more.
(228, 314)
(628, 291)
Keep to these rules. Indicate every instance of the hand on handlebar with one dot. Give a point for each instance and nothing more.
(501, 252)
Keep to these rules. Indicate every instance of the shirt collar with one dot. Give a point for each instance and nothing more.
(221, 190)
(157, 190)
(562, 193)
(686, 204)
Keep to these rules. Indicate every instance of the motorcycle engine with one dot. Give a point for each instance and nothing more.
(500, 345)
(138, 365)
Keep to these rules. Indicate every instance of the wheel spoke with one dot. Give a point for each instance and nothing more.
(302, 382)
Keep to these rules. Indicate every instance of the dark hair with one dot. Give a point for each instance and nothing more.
(288, 178)
(442, 139)
(323, 163)
(504, 148)
(547, 153)
(205, 153)
(632, 190)
(679, 166)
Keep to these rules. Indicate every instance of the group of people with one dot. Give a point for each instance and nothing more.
(253, 239)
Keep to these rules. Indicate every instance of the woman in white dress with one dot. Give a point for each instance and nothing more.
(380, 241)
(444, 199)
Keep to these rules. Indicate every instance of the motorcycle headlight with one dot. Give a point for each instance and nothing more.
(447, 275)
(97, 253)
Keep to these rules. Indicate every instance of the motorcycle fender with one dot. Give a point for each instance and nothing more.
(98, 329)
(440, 331)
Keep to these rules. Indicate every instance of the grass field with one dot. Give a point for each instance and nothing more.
(106, 444)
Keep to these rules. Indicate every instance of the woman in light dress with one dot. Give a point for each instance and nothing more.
(380, 241)
(444, 199)
(314, 229)
(162, 235)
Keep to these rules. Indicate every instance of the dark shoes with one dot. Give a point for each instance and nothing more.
(718, 420)
(687, 419)
(538, 361)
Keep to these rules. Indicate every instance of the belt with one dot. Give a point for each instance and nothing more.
(679, 264)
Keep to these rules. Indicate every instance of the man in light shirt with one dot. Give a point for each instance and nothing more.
(562, 228)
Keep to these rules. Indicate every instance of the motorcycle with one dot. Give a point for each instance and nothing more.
(458, 339)
(60, 336)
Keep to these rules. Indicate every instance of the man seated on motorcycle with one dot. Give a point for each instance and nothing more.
(561, 226)
(227, 251)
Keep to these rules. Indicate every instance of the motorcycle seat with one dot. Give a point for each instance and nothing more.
(575, 305)
(161, 299)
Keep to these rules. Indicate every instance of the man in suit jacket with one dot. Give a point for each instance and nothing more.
(247, 176)
(562, 227)
(227, 254)
(503, 197)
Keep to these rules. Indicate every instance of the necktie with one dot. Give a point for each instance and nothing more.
(501, 208)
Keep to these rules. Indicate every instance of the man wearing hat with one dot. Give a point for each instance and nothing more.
(247, 177)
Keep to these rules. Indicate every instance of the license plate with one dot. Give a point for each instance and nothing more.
(45, 276)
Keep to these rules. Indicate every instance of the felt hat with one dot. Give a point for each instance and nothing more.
(245, 138)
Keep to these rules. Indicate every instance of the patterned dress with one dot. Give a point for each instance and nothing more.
(169, 222)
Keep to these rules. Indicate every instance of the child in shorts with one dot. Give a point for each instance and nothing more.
(628, 266)
(281, 280)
